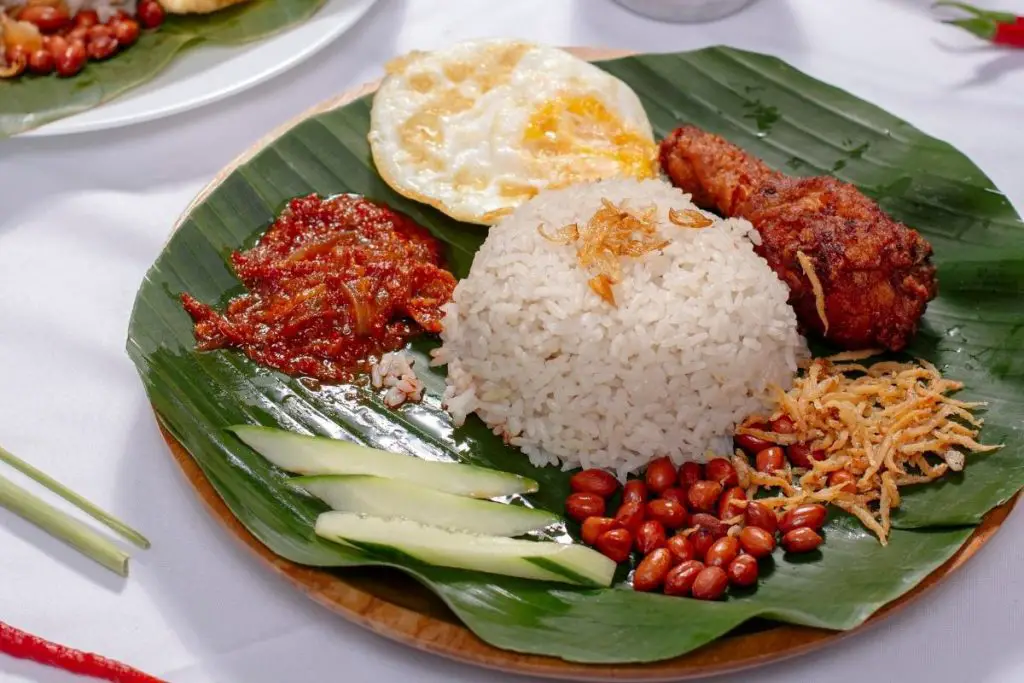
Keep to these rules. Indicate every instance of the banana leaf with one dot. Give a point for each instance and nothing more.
(974, 331)
(32, 101)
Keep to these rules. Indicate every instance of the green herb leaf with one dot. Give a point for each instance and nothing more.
(78, 501)
(64, 527)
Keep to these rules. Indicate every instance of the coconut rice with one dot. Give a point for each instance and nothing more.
(697, 333)
(395, 372)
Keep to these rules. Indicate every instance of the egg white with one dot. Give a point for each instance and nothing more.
(448, 128)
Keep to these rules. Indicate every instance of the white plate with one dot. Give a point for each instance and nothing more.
(206, 74)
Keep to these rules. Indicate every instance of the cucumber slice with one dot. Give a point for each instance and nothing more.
(304, 454)
(389, 498)
(402, 538)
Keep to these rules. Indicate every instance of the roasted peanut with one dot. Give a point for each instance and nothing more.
(86, 18)
(722, 471)
(55, 44)
(102, 48)
(126, 31)
(47, 19)
(722, 552)
(703, 520)
(761, 516)
(675, 494)
(848, 481)
(801, 455)
(752, 445)
(810, 515)
(100, 31)
(79, 34)
(703, 495)
(651, 572)
(770, 459)
(679, 580)
(670, 513)
(681, 548)
(660, 475)
(649, 537)
(710, 584)
(151, 13)
(783, 424)
(743, 571)
(594, 527)
(729, 505)
(630, 516)
(689, 474)
(579, 506)
(615, 544)
(702, 540)
(801, 540)
(595, 481)
(41, 62)
(757, 542)
(71, 61)
(635, 491)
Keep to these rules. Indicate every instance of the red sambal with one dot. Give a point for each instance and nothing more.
(332, 283)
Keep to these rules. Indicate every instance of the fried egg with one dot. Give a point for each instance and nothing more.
(478, 128)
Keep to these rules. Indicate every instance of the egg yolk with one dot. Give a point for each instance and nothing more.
(582, 127)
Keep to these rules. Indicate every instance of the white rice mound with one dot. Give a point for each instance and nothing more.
(700, 331)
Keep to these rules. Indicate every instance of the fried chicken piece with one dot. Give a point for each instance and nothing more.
(876, 273)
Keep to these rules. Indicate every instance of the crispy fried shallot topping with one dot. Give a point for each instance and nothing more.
(689, 218)
(613, 231)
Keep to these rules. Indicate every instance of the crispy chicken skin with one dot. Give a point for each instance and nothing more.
(876, 273)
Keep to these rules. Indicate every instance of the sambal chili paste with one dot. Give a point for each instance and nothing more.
(331, 283)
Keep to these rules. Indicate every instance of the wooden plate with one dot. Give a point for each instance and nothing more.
(390, 603)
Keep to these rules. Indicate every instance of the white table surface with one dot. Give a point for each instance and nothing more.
(82, 218)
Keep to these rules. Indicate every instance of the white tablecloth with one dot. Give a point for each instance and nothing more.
(82, 218)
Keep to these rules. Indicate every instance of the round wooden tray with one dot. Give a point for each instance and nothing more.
(390, 603)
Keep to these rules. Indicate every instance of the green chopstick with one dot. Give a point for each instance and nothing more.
(67, 494)
(63, 526)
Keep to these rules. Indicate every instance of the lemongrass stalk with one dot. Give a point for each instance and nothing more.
(61, 525)
(67, 494)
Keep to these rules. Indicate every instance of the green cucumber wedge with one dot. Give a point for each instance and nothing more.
(302, 454)
(393, 498)
(401, 539)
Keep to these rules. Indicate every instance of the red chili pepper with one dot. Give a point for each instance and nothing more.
(1010, 34)
(999, 28)
(26, 646)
